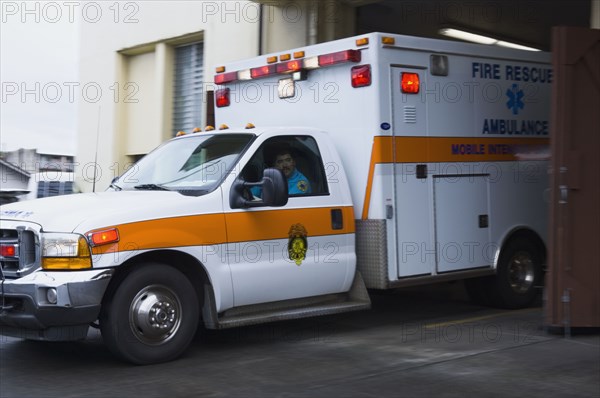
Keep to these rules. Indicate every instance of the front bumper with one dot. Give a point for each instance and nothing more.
(26, 311)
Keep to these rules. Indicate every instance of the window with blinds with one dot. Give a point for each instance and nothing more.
(187, 95)
(47, 189)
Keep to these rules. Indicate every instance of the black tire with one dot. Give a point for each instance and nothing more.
(152, 316)
(519, 272)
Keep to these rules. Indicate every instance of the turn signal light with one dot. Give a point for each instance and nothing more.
(103, 237)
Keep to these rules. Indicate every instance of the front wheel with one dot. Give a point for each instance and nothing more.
(152, 315)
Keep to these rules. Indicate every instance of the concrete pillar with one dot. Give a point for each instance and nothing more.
(595, 14)
(164, 89)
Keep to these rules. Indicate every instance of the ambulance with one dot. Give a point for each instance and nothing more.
(372, 162)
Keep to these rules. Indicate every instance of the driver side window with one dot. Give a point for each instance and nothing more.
(299, 159)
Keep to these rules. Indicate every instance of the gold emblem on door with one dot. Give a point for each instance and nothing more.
(297, 244)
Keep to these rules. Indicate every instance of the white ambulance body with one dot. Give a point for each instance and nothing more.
(444, 181)
(443, 177)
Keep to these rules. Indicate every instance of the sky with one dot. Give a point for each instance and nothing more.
(39, 75)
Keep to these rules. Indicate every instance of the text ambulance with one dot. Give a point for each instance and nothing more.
(412, 161)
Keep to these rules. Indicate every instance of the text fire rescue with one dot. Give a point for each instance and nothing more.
(515, 73)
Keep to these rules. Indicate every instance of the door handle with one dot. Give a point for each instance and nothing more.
(337, 219)
(563, 194)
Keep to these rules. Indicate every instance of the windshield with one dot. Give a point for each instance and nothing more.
(194, 164)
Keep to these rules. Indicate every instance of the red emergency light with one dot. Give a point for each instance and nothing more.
(263, 71)
(222, 97)
(290, 66)
(225, 78)
(339, 57)
(410, 83)
(8, 250)
(361, 76)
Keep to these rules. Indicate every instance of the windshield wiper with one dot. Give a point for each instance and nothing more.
(151, 187)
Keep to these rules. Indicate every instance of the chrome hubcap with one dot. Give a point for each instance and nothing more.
(155, 314)
(521, 272)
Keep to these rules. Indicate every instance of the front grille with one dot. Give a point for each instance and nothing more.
(26, 258)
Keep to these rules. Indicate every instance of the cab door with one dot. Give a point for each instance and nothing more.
(305, 248)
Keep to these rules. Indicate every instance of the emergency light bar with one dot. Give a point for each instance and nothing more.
(339, 57)
(226, 78)
(288, 66)
(263, 71)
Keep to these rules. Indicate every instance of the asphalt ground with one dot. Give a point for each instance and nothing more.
(420, 342)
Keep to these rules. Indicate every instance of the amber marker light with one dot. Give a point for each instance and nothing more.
(103, 237)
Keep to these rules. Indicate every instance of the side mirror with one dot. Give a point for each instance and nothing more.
(274, 191)
(274, 188)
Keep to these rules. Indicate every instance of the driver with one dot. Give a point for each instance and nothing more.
(297, 183)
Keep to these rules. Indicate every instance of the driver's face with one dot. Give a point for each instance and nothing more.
(285, 163)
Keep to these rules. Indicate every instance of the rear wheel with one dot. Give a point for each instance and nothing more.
(519, 272)
(152, 316)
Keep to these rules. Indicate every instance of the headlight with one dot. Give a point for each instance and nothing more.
(65, 251)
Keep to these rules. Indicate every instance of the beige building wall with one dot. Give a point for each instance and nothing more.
(127, 60)
(126, 72)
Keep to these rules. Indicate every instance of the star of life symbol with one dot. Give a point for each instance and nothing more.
(515, 99)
